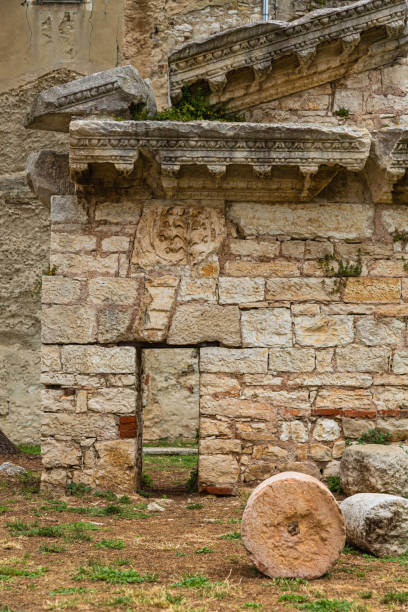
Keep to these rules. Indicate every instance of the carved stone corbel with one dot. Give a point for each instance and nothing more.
(305, 57)
(395, 29)
(350, 42)
(308, 172)
(169, 174)
(383, 183)
(217, 84)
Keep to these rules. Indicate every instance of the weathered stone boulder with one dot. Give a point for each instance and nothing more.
(292, 527)
(377, 523)
(47, 174)
(108, 93)
(374, 468)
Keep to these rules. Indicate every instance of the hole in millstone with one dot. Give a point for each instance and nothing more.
(293, 528)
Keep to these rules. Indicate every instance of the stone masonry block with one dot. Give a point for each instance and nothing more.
(292, 360)
(60, 290)
(114, 401)
(233, 290)
(267, 327)
(300, 290)
(340, 221)
(218, 470)
(121, 291)
(372, 290)
(98, 360)
(77, 426)
(357, 358)
(195, 323)
(234, 361)
(324, 331)
(68, 325)
(67, 209)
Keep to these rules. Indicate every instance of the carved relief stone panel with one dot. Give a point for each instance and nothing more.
(174, 235)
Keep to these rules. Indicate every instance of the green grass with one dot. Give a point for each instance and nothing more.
(169, 461)
(9, 571)
(114, 544)
(203, 551)
(333, 483)
(30, 449)
(70, 531)
(293, 598)
(167, 443)
(118, 511)
(192, 581)
(399, 597)
(235, 535)
(253, 605)
(194, 506)
(108, 573)
(52, 548)
(326, 605)
(70, 591)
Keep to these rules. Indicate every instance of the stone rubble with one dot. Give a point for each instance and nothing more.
(377, 523)
(109, 93)
(11, 469)
(374, 468)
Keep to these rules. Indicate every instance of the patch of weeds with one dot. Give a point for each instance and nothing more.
(235, 535)
(180, 554)
(121, 562)
(192, 482)
(333, 482)
(78, 490)
(52, 548)
(70, 591)
(114, 544)
(253, 605)
(395, 597)
(79, 531)
(194, 506)
(350, 550)
(111, 496)
(333, 267)
(192, 581)
(288, 584)
(147, 480)
(107, 573)
(293, 598)
(174, 599)
(343, 112)
(203, 551)
(20, 528)
(55, 505)
(4, 509)
(30, 483)
(374, 436)
(7, 609)
(326, 605)
(30, 449)
(400, 236)
(120, 600)
(8, 571)
(365, 594)
(194, 105)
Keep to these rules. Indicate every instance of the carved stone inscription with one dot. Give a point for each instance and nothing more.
(173, 235)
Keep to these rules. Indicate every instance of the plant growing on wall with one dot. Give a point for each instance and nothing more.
(333, 267)
(194, 105)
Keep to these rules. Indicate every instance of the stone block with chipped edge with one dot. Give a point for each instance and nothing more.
(196, 323)
(67, 209)
(47, 174)
(98, 360)
(108, 93)
(266, 327)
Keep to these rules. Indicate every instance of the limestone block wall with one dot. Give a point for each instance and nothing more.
(373, 99)
(292, 363)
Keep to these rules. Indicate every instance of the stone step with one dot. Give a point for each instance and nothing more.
(162, 450)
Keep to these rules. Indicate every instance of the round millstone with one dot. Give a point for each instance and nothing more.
(292, 527)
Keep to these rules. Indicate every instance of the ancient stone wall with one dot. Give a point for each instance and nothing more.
(301, 361)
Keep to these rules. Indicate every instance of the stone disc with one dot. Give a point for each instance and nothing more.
(292, 527)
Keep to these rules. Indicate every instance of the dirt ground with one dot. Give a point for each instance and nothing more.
(84, 552)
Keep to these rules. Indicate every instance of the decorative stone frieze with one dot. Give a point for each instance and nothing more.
(312, 154)
(263, 62)
(107, 93)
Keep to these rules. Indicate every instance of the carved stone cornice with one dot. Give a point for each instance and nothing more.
(324, 45)
(177, 147)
